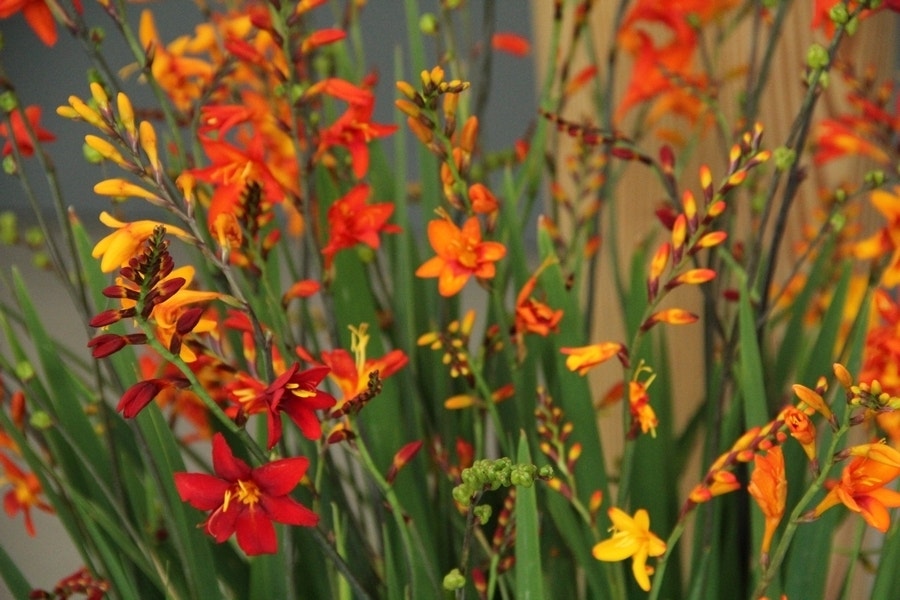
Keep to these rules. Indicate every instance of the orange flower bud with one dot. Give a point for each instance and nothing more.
(802, 430)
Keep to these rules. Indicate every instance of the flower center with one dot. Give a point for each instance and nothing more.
(245, 492)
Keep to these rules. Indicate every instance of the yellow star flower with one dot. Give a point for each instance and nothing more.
(633, 539)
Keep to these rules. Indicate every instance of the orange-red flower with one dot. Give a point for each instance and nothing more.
(768, 486)
(246, 501)
(20, 133)
(460, 255)
(511, 43)
(351, 221)
(24, 495)
(862, 490)
(354, 129)
(37, 14)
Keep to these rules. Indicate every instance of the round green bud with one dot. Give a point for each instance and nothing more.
(428, 24)
(482, 512)
(34, 237)
(10, 166)
(454, 580)
(40, 420)
(784, 157)
(41, 260)
(852, 25)
(24, 370)
(874, 178)
(817, 57)
(545, 472)
(462, 495)
(8, 101)
(8, 230)
(839, 14)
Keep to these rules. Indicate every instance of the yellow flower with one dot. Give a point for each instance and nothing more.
(124, 243)
(633, 539)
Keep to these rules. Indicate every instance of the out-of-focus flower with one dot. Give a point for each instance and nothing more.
(643, 416)
(632, 539)
(20, 133)
(24, 495)
(245, 500)
(533, 315)
(354, 130)
(511, 43)
(881, 356)
(183, 77)
(351, 221)
(460, 255)
(583, 358)
(862, 490)
(37, 14)
(768, 486)
(887, 239)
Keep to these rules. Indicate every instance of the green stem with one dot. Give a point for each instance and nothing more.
(662, 563)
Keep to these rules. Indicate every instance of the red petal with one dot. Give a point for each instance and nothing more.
(255, 533)
(221, 524)
(305, 419)
(287, 511)
(202, 491)
(279, 477)
(225, 464)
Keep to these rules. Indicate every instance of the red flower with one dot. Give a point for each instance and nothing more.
(246, 501)
(20, 134)
(294, 393)
(37, 14)
(352, 221)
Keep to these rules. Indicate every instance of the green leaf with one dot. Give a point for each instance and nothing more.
(13, 578)
(529, 575)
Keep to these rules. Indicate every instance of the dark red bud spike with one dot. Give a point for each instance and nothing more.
(106, 344)
(107, 317)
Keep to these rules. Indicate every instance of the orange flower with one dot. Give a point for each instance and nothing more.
(460, 255)
(37, 14)
(887, 240)
(24, 493)
(802, 430)
(862, 490)
(351, 221)
(642, 414)
(20, 133)
(768, 486)
(532, 315)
